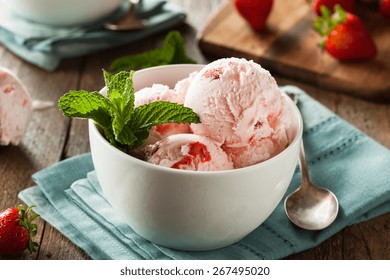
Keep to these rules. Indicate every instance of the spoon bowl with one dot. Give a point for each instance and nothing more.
(310, 207)
(312, 214)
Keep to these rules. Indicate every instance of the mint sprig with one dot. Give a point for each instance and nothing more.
(120, 92)
(172, 52)
(124, 126)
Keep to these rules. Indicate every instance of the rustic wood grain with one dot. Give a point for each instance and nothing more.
(289, 46)
(52, 137)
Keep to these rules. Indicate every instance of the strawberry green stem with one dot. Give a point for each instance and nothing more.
(328, 21)
(26, 218)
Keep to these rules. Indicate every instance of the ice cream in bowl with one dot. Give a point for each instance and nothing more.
(208, 183)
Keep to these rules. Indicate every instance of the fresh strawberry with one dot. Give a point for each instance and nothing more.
(346, 37)
(384, 8)
(17, 230)
(347, 5)
(255, 12)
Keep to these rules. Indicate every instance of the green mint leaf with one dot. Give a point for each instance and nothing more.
(141, 135)
(172, 52)
(120, 91)
(88, 105)
(174, 49)
(124, 135)
(138, 61)
(120, 86)
(85, 105)
(160, 112)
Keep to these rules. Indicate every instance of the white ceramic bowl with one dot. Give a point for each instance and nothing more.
(191, 210)
(62, 12)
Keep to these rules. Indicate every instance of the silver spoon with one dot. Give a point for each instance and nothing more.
(310, 207)
(129, 21)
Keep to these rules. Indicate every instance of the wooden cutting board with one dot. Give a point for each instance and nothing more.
(289, 47)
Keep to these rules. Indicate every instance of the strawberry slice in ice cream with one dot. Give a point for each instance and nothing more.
(240, 107)
(15, 108)
(189, 152)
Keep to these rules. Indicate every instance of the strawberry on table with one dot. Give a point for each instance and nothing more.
(17, 231)
(346, 37)
(347, 5)
(255, 12)
(384, 8)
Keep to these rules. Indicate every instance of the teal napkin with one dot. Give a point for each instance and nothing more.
(340, 157)
(46, 45)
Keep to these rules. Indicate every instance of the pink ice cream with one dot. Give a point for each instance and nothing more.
(189, 152)
(15, 108)
(182, 86)
(241, 108)
(160, 92)
(157, 92)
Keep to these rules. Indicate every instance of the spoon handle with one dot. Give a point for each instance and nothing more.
(133, 6)
(303, 165)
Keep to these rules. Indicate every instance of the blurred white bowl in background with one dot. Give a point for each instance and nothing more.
(62, 12)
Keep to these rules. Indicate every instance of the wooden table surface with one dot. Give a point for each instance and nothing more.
(51, 137)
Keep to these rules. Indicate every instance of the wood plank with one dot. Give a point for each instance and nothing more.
(289, 47)
(55, 246)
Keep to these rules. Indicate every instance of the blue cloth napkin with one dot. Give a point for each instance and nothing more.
(340, 157)
(46, 45)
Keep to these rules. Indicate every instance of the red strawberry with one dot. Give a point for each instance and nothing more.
(347, 5)
(346, 37)
(255, 12)
(17, 231)
(384, 8)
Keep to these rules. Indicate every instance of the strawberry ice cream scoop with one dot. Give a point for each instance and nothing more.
(182, 86)
(159, 92)
(15, 108)
(240, 107)
(189, 152)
